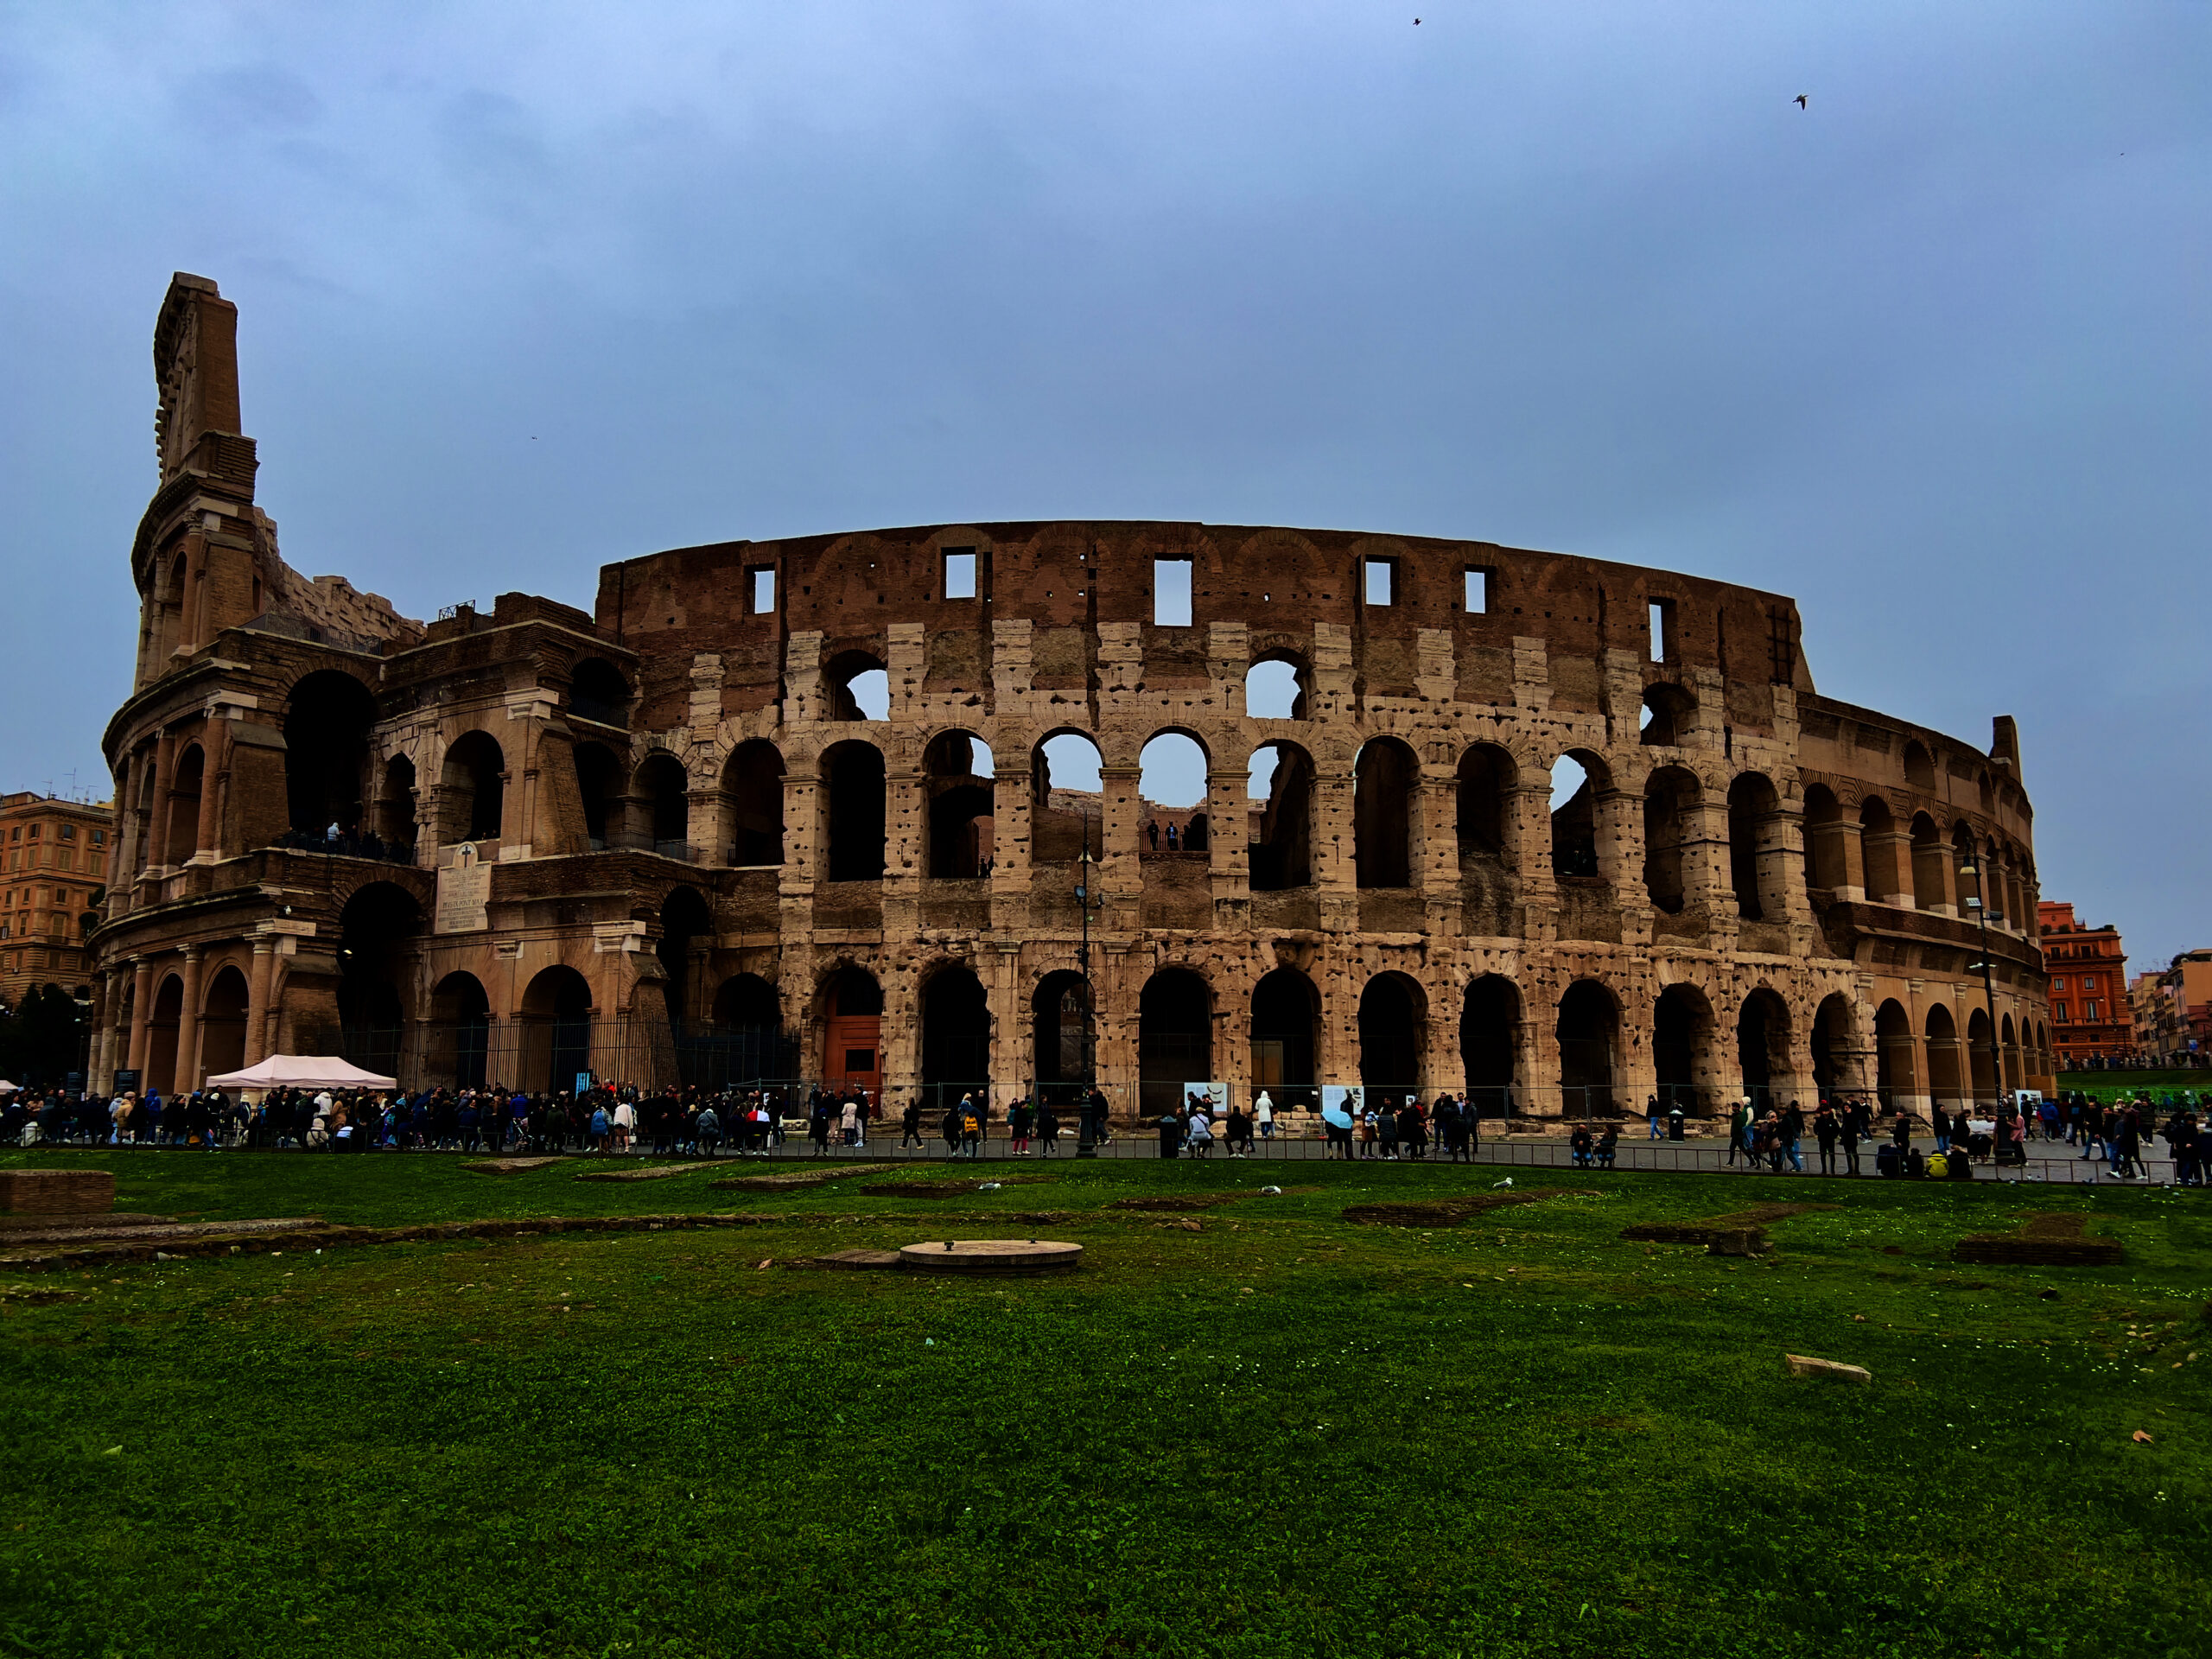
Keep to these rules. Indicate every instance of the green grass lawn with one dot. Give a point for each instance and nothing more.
(1281, 1434)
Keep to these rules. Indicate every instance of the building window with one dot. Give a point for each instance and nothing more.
(1662, 630)
(2090, 1011)
(99, 837)
(763, 583)
(1382, 581)
(2059, 984)
(2058, 1012)
(1171, 593)
(68, 832)
(1478, 591)
(2089, 981)
(960, 573)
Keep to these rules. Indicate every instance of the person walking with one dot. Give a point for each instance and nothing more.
(1824, 1136)
(910, 1125)
(1019, 1117)
(971, 1127)
(1793, 1131)
(1264, 1114)
(1655, 1118)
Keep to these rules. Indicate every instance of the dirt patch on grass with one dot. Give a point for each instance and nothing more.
(507, 1166)
(797, 1180)
(2045, 1239)
(945, 1189)
(1709, 1229)
(1179, 1202)
(1452, 1212)
(846, 1260)
(650, 1172)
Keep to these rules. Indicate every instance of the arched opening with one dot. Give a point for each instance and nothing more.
(1281, 849)
(460, 1031)
(1490, 1042)
(1894, 1043)
(1681, 1051)
(1943, 1086)
(222, 1024)
(859, 687)
(1754, 847)
(1878, 843)
(1390, 1023)
(1762, 1046)
(1981, 1055)
(1588, 1029)
(663, 790)
(852, 1022)
(852, 801)
(395, 805)
(1385, 777)
(2015, 913)
(1486, 779)
(1576, 779)
(741, 1043)
(379, 933)
(599, 783)
(956, 779)
(187, 779)
(1671, 800)
(1919, 768)
(1174, 1037)
(556, 1021)
(1669, 711)
(2011, 1052)
(1286, 1012)
(1274, 688)
(1171, 794)
(956, 1035)
(1983, 884)
(753, 787)
(1931, 873)
(1826, 869)
(598, 692)
(687, 933)
(1067, 811)
(327, 723)
(1836, 1065)
(162, 1026)
(1061, 1054)
(474, 780)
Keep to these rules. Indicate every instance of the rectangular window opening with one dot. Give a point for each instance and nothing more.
(1171, 593)
(1479, 592)
(1662, 630)
(960, 573)
(761, 578)
(1381, 581)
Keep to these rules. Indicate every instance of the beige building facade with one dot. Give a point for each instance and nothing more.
(54, 857)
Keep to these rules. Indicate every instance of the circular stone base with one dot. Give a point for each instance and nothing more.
(991, 1255)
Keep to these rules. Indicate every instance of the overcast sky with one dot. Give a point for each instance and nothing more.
(525, 289)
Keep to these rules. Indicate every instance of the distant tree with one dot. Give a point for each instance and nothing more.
(41, 1038)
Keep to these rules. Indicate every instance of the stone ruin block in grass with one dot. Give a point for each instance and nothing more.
(56, 1192)
(2044, 1240)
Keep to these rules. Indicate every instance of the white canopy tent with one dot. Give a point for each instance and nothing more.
(302, 1071)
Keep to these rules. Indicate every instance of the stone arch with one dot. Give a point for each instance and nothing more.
(1827, 867)
(1669, 712)
(188, 778)
(1486, 779)
(687, 934)
(1931, 885)
(1673, 803)
(849, 1002)
(1945, 1085)
(858, 684)
(1981, 1054)
(1838, 1064)
(460, 1039)
(1684, 1063)
(379, 939)
(1067, 796)
(1174, 1037)
(752, 801)
(1285, 1038)
(1764, 1056)
(1172, 759)
(600, 693)
(1492, 1035)
(1393, 1024)
(555, 1024)
(958, 774)
(1385, 814)
(1888, 880)
(473, 778)
(1277, 686)
(1578, 850)
(662, 788)
(1755, 847)
(955, 1033)
(164, 1018)
(853, 811)
(222, 1023)
(1589, 1032)
(1063, 1035)
(2008, 1036)
(599, 785)
(328, 718)
(1282, 774)
(1896, 1051)
(395, 804)
(1919, 767)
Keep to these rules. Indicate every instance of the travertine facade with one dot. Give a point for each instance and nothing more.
(667, 836)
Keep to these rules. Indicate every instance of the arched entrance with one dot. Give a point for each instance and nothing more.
(1836, 1059)
(1174, 1037)
(1981, 1055)
(1762, 1048)
(459, 1051)
(955, 1036)
(1384, 777)
(160, 1036)
(1490, 1042)
(1895, 1075)
(1588, 1028)
(852, 809)
(326, 724)
(556, 1021)
(1681, 1051)
(957, 770)
(1943, 1084)
(1389, 1038)
(222, 1025)
(1286, 1009)
(378, 931)
(1060, 1061)
(852, 1032)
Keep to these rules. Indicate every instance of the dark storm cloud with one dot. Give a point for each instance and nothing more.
(527, 289)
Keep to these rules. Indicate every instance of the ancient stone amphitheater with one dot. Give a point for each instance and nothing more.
(1022, 803)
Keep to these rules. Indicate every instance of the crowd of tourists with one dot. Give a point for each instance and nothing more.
(2116, 1137)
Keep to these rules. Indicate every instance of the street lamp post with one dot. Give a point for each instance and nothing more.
(1988, 989)
(1086, 1145)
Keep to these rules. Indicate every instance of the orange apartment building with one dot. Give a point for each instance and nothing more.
(2090, 1013)
(2173, 1009)
(53, 858)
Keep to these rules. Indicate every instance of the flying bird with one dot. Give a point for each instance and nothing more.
(1799, 101)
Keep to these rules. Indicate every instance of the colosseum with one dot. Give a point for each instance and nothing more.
(1026, 804)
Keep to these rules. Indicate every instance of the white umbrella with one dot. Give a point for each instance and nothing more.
(302, 1071)
(6, 1087)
